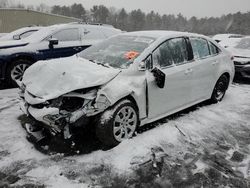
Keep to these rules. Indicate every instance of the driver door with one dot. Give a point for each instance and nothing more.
(172, 59)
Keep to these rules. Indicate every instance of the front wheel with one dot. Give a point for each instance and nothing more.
(118, 123)
(220, 89)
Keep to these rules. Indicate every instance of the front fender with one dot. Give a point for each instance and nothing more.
(124, 86)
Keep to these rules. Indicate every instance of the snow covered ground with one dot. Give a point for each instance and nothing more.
(208, 145)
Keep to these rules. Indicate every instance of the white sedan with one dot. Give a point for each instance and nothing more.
(125, 82)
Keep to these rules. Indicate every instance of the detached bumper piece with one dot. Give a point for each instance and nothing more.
(34, 134)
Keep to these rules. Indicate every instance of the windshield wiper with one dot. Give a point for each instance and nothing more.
(98, 63)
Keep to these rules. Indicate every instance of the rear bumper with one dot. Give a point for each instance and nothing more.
(243, 70)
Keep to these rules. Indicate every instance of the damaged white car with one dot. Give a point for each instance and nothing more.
(125, 82)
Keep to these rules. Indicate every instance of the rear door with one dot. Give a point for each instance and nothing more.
(204, 69)
(172, 59)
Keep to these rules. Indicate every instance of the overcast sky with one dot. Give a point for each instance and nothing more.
(188, 8)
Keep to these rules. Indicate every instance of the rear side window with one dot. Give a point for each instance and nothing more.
(200, 47)
(173, 51)
(67, 35)
(92, 33)
(26, 34)
(213, 49)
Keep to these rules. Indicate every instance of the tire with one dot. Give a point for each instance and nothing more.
(117, 123)
(220, 89)
(16, 70)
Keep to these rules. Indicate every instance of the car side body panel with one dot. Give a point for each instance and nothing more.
(133, 85)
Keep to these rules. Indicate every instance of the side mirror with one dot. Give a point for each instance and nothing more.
(146, 64)
(159, 77)
(52, 42)
(16, 37)
(142, 66)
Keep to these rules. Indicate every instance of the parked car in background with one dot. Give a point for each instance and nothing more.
(125, 82)
(2, 34)
(20, 33)
(228, 40)
(50, 42)
(241, 53)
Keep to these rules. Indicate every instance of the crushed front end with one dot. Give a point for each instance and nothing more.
(61, 115)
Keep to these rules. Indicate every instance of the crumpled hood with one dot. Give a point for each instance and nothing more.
(53, 78)
(12, 44)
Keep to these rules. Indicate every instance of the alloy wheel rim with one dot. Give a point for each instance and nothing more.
(125, 123)
(18, 71)
(220, 90)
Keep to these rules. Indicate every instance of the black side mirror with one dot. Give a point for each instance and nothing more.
(52, 42)
(159, 77)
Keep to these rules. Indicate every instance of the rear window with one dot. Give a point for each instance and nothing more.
(244, 44)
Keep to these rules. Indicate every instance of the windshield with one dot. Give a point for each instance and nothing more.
(244, 44)
(118, 51)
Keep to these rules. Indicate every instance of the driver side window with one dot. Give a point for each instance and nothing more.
(173, 51)
(162, 55)
(67, 35)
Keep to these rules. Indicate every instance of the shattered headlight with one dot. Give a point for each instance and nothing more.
(102, 102)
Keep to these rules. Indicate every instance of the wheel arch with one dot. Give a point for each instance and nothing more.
(16, 57)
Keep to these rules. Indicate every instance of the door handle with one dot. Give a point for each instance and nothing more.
(188, 71)
(77, 48)
(215, 62)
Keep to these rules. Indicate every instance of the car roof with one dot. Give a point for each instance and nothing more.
(161, 33)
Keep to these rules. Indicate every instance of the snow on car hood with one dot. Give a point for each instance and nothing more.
(53, 78)
(240, 52)
(12, 44)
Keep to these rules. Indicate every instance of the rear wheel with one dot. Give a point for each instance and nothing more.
(118, 123)
(220, 89)
(16, 71)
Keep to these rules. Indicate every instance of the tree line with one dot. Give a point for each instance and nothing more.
(136, 20)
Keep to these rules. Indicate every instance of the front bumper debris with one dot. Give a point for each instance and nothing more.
(53, 120)
(34, 135)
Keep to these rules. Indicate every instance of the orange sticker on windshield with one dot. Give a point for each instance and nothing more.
(131, 54)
